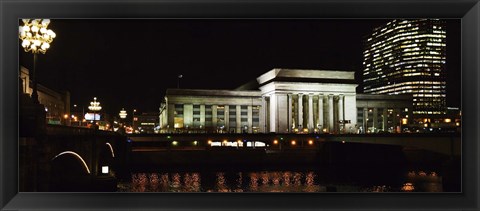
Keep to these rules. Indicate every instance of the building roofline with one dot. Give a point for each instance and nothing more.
(308, 74)
(213, 92)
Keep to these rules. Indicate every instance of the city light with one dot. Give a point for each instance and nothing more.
(174, 143)
(105, 170)
(275, 141)
(123, 114)
(310, 142)
(35, 36)
(293, 142)
(95, 106)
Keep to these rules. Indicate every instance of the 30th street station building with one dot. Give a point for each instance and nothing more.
(286, 101)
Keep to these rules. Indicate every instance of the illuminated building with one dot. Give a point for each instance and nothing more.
(280, 101)
(57, 104)
(145, 122)
(408, 57)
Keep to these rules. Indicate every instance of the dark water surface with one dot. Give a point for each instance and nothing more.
(291, 179)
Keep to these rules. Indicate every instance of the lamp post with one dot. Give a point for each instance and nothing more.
(35, 38)
(94, 106)
(178, 81)
(133, 120)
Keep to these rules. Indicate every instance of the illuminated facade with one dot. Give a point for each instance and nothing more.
(281, 101)
(408, 57)
(57, 104)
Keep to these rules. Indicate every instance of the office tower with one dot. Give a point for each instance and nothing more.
(408, 57)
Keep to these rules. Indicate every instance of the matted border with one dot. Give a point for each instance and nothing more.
(12, 10)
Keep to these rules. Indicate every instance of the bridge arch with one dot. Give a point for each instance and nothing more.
(111, 149)
(77, 156)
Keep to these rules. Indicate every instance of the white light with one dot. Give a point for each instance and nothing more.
(34, 28)
(104, 169)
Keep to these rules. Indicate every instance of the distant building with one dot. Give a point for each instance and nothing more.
(145, 122)
(57, 104)
(284, 101)
(408, 57)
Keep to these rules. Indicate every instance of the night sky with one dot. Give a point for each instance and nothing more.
(130, 63)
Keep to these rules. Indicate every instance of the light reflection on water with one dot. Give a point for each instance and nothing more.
(270, 181)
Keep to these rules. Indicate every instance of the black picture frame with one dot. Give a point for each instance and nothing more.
(12, 11)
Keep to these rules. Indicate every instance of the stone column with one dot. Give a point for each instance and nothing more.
(375, 119)
(202, 116)
(385, 119)
(300, 112)
(250, 118)
(273, 113)
(188, 116)
(340, 112)
(263, 117)
(239, 128)
(267, 114)
(330, 113)
(170, 116)
(289, 113)
(320, 112)
(365, 120)
(310, 112)
(226, 114)
(214, 117)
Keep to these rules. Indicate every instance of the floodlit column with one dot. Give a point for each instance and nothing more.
(375, 120)
(250, 118)
(214, 116)
(320, 112)
(170, 116)
(300, 112)
(202, 116)
(227, 118)
(310, 112)
(239, 128)
(365, 120)
(340, 111)
(330, 113)
(262, 115)
(289, 112)
(273, 113)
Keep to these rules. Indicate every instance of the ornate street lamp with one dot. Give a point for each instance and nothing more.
(123, 114)
(94, 106)
(36, 38)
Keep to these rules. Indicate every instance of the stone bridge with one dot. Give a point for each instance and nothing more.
(86, 148)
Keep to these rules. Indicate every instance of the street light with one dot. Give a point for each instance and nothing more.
(94, 106)
(178, 81)
(123, 114)
(35, 38)
(133, 120)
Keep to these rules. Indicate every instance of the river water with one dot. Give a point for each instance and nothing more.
(304, 179)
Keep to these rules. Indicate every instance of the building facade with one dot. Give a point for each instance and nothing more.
(281, 101)
(57, 104)
(408, 57)
(145, 122)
